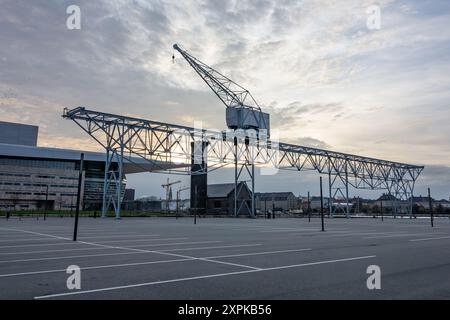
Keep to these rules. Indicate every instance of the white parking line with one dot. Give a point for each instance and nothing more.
(201, 277)
(429, 239)
(71, 257)
(95, 267)
(23, 240)
(166, 252)
(154, 262)
(75, 243)
(260, 253)
(398, 235)
(105, 247)
(37, 233)
(206, 248)
(127, 253)
(141, 240)
(120, 236)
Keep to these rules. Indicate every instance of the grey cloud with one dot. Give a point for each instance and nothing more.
(308, 142)
(296, 111)
(438, 178)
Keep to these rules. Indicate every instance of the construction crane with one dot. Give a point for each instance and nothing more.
(168, 187)
(242, 110)
(178, 196)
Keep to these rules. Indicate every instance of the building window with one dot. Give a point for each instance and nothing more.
(217, 204)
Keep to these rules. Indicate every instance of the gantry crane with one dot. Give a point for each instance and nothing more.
(168, 187)
(242, 113)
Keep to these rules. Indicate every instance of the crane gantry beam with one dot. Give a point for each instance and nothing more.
(154, 142)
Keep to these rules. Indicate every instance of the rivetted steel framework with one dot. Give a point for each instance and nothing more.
(155, 142)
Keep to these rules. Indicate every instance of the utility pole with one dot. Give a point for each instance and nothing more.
(321, 205)
(431, 208)
(77, 212)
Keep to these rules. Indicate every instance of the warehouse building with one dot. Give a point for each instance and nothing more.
(278, 201)
(220, 198)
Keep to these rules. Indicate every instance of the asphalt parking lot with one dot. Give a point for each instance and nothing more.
(219, 258)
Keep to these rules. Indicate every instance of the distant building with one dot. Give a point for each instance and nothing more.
(315, 203)
(129, 195)
(143, 204)
(422, 201)
(443, 203)
(220, 198)
(387, 201)
(360, 205)
(280, 201)
(19, 134)
(34, 178)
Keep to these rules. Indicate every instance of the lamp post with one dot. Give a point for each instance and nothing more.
(321, 205)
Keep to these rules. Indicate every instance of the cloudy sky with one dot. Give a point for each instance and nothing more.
(325, 77)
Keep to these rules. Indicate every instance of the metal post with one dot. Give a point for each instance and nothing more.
(253, 189)
(119, 184)
(330, 191)
(196, 204)
(411, 205)
(105, 202)
(178, 196)
(321, 205)
(346, 192)
(381, 209)
(235, 177)
(431, 208)
(309, 208)
(77, 212)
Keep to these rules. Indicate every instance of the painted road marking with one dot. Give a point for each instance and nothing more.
(201, 277)
(156, 262)
(429, 239)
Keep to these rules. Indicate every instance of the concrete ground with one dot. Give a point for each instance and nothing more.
(165, 258)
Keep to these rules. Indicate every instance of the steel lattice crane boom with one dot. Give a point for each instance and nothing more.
(168, 187)
(242, 110)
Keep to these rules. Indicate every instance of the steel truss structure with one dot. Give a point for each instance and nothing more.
(141, 142)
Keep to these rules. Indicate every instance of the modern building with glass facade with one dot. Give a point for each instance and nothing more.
(34, 178)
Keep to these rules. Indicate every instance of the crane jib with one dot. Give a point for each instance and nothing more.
(242, 110)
